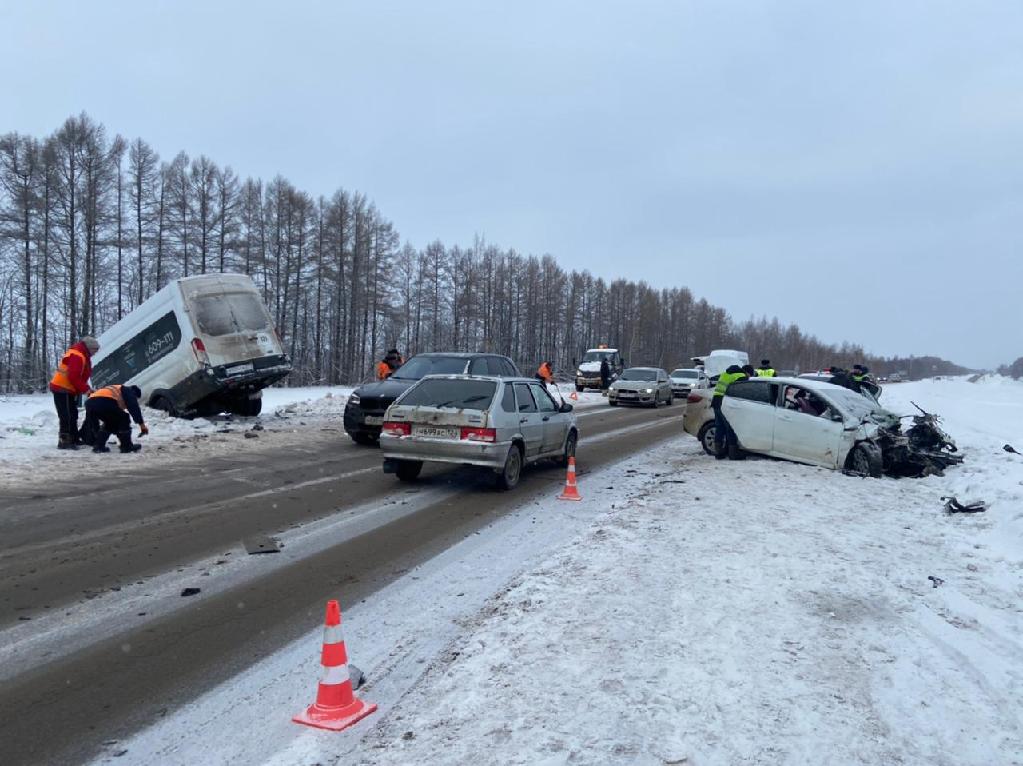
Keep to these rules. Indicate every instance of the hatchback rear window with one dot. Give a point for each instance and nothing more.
(227, 313)
(446, 393)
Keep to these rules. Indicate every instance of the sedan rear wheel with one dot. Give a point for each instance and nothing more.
(408, 470)
(706, 437)
(508, 478)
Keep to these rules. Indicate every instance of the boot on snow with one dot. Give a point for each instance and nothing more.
(126, 444)
(64, 441)
(735, 452)
(99, 444)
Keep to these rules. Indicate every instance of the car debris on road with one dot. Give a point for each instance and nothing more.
(952, 505)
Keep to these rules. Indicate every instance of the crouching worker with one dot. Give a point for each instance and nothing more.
(107, 411)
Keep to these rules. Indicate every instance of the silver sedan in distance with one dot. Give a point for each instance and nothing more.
(501, 424)
(648, 386)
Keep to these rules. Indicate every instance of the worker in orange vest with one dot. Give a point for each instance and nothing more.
(70, 381)
(106, 412)
(392, 361)
(545, 373)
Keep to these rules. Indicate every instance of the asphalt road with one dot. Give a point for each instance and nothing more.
(62, 545)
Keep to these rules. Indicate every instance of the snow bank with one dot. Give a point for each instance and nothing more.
(28, 433)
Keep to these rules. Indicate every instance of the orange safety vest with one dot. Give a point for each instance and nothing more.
(546, 372)
(110, 392)
(60, 378)
(384, 371)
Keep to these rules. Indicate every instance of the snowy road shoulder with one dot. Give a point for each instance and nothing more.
(688, 611)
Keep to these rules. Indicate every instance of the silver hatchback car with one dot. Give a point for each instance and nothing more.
(496, 423)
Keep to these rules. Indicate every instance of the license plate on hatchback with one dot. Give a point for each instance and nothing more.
(374, 420)
(435, 432)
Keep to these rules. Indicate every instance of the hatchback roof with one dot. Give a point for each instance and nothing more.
(461, 354)
(814, 384)
(494, 378)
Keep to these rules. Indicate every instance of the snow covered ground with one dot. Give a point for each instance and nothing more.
(28, 433)
(687, 611)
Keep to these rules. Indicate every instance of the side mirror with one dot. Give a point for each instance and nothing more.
(565, 407)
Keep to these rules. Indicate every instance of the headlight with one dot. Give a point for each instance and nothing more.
(648, 390)
(354, 399)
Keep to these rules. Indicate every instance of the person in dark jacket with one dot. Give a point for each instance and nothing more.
(840, 377)
(106, 412)
(726, 443)
(605, 374)
(69, 382)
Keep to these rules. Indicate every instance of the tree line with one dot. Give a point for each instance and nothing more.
(92, 224)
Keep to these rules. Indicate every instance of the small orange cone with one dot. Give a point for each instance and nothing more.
(571, 492)
(336, 705)
(574, 396)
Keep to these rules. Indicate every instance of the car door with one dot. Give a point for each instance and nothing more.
(530, 420)
(807, 434)
(749, 407)
(553, 421)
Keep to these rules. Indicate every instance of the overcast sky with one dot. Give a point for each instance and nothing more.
(856, 168)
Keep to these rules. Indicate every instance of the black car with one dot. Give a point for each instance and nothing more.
(364, 413)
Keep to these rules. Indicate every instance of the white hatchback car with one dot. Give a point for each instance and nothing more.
(806, 421)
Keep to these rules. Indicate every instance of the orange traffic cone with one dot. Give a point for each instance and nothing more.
(574, 396)
(571, 492)
(336, 705)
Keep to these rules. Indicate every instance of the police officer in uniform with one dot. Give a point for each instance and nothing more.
(765, 370)
(724, 436)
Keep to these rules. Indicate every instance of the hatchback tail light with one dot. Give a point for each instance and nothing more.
(393, 428)
(199, 349)
(479, 435)
(694, 398)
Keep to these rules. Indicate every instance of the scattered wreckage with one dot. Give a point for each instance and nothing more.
(923, 450)
(818, 423)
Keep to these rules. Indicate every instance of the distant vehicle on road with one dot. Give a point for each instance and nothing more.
(684, 380)
(501, 424)
(719, 360)
(587, 374)
(648, 386)
(198, 346)
(364, 411)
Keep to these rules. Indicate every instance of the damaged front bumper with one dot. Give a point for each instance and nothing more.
(923, 450)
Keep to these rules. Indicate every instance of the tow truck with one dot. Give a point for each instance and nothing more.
(587, 374)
